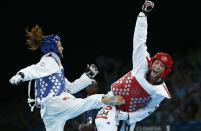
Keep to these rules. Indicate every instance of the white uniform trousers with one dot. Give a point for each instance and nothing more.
(106, 120)
(57, 110)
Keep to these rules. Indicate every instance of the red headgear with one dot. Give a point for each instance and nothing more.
(166, 59)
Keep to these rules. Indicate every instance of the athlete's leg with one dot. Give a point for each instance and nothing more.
(132, 126)
(126, 127)
(64, 107)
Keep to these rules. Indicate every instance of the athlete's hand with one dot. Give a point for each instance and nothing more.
(91, 71)
(122, 115)
(147, 6)
(16, 79)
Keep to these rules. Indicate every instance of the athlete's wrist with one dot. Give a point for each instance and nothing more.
(21, 74)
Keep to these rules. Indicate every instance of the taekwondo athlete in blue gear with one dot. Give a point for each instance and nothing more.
(53, 92)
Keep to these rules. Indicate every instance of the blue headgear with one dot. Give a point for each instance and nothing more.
(49, 44)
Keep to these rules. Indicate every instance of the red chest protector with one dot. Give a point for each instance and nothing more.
(134, 94)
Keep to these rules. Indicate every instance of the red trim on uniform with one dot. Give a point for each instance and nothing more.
(104, 117)
(108, 108)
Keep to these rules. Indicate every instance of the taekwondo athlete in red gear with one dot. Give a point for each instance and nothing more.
(53, 91)
(142, 88)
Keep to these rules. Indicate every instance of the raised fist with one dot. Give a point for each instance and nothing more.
(16, 79)
(91, 71)
(147, 6)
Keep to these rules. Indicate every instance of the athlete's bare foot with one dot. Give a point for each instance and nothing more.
(113, 100)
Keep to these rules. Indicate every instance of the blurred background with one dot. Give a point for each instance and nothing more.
(102, 33)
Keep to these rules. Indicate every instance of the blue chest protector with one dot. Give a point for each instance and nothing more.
(54, 83)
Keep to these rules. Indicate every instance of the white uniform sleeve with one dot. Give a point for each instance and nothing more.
(145, 112)
(139, 43)
(46, 66)
(78, 84)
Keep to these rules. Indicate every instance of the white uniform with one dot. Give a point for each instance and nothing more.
(142, 98)
(53, 92)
